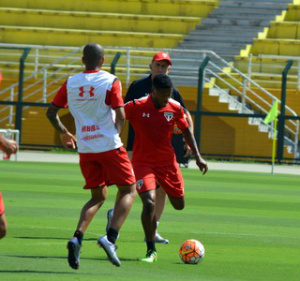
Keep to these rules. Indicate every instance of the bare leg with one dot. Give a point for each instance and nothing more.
(124, 200)
(88, 211)
(177, 203)
(160, 202)
(148, 214)
(3, 226)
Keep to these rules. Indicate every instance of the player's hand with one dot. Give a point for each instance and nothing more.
(201, 163)
(68, 140)
(9, 146)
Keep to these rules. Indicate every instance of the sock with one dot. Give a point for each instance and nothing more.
(151, 246)
(112, 235)
(79, 235)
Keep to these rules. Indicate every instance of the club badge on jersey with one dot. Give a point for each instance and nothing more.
(168, 116)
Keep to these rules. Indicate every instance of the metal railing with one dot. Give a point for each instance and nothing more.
(269, 65)
(135, 62)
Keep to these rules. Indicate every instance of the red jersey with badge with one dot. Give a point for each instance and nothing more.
(153, 130)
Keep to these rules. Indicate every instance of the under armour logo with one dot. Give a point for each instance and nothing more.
(82, 91)
(146, 114)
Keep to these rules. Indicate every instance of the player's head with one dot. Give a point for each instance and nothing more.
(93, 56)
(162, 90)
(161, 63)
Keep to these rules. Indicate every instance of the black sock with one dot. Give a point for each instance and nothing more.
(79, 235)
(151, 246)
(112, 235)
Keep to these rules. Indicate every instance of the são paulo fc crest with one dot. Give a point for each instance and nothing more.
(139, 184)
(168, 115)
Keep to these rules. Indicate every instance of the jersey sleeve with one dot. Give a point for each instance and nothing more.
(114, 96)
(129, 109)
(181, 121)
(61, 98)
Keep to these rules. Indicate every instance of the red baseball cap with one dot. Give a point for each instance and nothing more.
(162, 56)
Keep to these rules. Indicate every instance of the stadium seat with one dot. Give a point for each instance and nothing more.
(77, 37)
(97, 21)
(190, 8)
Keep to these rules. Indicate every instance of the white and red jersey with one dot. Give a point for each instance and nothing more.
(153, 130)
(91, 97)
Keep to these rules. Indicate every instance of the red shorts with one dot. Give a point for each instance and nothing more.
(1, 205)
(169, 177)
(106, 168)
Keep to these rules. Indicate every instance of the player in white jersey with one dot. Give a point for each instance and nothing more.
(94, 98)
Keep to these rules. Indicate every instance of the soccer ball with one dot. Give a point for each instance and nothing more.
(191, 251)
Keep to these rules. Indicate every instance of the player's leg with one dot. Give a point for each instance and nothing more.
(124, 199)
(178, 203)
(3, 226)
(148, 214)
(149, 223)
(118, 169)
(171, 179)
(161, 198)
(3, 221)
(94, 180)
(98, 196)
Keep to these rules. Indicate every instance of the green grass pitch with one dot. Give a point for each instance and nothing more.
(249, 224)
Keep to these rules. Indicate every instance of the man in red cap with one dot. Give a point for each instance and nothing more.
(161, 63)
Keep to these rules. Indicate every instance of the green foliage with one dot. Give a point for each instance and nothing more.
(249, 224)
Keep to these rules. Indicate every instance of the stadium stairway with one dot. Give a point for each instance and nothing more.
(281, 42)
(228, 29)
(233, 25)
(238, 136)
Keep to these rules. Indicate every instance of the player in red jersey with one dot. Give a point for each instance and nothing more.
(154, 161)
(3, 221)
(94, 98)
(8, 147)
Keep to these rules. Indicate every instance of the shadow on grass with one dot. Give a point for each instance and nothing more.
(35, 271)
(65, 258)
(50, 238)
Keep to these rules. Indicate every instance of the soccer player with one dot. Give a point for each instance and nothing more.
(95, 100)
(7, 146)
(161, 63)
(153, 158)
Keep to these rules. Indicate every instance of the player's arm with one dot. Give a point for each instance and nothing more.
(190, 140)
(190, 120)
(8, 146)
(178, 98)
(67, 139)
(120, 118)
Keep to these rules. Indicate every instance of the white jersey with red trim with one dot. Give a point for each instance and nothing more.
(94, 118)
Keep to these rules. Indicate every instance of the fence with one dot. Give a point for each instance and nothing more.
(243, 95)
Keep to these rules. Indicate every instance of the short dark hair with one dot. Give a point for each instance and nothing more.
(93, 52)
(162, 81)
